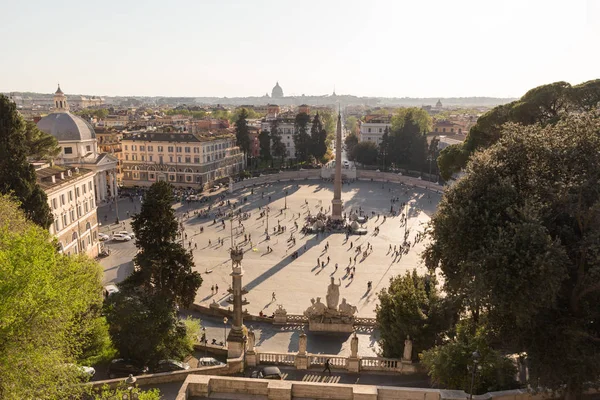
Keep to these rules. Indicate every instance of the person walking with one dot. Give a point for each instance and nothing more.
(216, 289)
(327, 366)
(273, 298)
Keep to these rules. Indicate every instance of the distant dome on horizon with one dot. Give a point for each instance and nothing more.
(277, 91)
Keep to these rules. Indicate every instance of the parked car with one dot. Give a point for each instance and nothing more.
(268, 373)
(119, 237)
(209, 362)
(215, 188)
(121, 367)
(103, 236)
(85, 372)
(109, 289)
(347, 164)
(130, 234)
(170, 365)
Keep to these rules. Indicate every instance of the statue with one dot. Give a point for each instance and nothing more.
(407, 356)
(347, 310)
(251, 339)
(354, 346)
(333, 294)
(317, 309)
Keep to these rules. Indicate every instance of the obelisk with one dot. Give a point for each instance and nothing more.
(336, 203)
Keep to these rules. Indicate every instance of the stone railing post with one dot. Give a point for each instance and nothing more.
(353, 363)
(302, 358)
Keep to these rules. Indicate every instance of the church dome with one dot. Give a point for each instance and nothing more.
(66, 127)
(277, 91)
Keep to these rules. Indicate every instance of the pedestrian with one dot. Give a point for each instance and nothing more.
(216, 289)
(212, 289)
(336, 267)
(327, 366)
(273, 298)
(350, 244)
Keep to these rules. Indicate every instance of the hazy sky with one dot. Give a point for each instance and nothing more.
(396, 48)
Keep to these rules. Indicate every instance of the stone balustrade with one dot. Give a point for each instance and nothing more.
(386, 365)
(318, 360)
(277, 358)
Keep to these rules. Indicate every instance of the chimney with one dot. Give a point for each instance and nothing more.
(62, 176)
(53, 179)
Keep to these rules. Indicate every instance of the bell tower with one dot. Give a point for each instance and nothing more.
(60, 101)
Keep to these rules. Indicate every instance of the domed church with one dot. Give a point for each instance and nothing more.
(77, 139)
(277, 92)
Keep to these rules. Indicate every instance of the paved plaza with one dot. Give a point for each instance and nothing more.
(293, 281)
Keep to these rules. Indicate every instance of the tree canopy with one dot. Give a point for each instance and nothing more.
(302, 140)
(17, 176)
(242, 132)
(517, 239)
(365, 153)
(49, 311)
(318, 137)
(545, 104)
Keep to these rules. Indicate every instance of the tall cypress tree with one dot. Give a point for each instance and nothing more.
(318, 137)
(17, 176)
(242, 132)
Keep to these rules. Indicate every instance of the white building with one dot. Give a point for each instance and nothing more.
(71, 197)
(286, 127)
(77, 139)
(373, 128)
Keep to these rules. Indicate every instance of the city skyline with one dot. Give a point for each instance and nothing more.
(236, 49)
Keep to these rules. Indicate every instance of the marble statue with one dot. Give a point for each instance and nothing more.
(407, 356)
(347, 310)
(317, 309)
(333, 294)
(251, 339)
(354, 346)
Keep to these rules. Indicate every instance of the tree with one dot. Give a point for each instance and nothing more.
(365, 153)
(350, 142)
(450, 365)
(264, 141)
(242, 132)
(40, 145)
(122, 391)
(278, 147)
(318, 138)
(517, 239)
(17, 176)
(411, 306)
(351, 124)
(165, 267)
(87, 113)
(384, 146)
(144, 327)
(408, 143)
(302, 140)
(50, 302)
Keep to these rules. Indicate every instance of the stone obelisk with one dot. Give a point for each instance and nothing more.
(336, 203)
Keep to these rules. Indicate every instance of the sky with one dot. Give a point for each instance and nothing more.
(231, 48)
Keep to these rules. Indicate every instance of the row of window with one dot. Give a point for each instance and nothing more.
(180, 159)
(63, 199)
(178, 149)
(93, 237)
(67, 218)
(451, 130)
(69, 150)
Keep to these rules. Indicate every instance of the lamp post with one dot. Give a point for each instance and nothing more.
(225, 326)
(285, 206)
(204, 339)
(130, 386)
(476, 357)
(267, 231)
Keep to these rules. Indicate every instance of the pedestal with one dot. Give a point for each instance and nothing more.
(336, 209)
(301, 361)
(235, 347)
(354, 364)
(251, 358)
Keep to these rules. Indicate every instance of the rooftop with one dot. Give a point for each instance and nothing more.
(45, 176)
(175, 137)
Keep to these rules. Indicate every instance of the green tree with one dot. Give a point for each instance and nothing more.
(278, 147)
(450, 365)
(411, 306)
(40, 145)
(106, 393)
(318, 137)
(365, 153)
(264, 141)
(302, 140)
(517, 238)
(165, 266)
(384, 147)
(144, 327)
(17, 176)
(350, 142)
(49, 303)
(351, 124)
(87, 113)
(242, 132)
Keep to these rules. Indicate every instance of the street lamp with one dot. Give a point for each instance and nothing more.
(285, 206)
(476, 357)
(204, 339)
(130, 382)
(225, 326)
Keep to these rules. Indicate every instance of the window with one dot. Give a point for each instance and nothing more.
(84, 188)
(64, 220)
(88, 148)
(90, 185)
(143, 158)
(380, 130)
(188, 178)
(170, 159)
(62, 199)
(142, 148)
(95, 236)
(150, 158)
(170, 149)
(171, 177)
(56, 226)
(72, 212)
(208, 158)
(77, 192)
(369, 130)
(91, 204)
(150, 148)
(133, 157)
(178, 149)
(125, 147)
(160, 159)
(151, 176)
(443, 129)
(126, 157)
(196, 160)
(54, 203)
(79, 213)
(188, 150)
(178, 158)
(188, 160)
(85, 207)
(68, 150)
(160, 148)
(88, 226)
(133, 147)
(196, 150)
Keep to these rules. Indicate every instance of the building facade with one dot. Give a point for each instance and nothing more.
(373, 128)
(183, 159)
(72, 200)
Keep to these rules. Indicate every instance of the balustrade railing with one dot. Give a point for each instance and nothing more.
(380, 364)
(334, 361)
(277, 358)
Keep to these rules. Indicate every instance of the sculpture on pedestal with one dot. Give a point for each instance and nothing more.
(407, 355)
(333, 294)
(331, 317)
